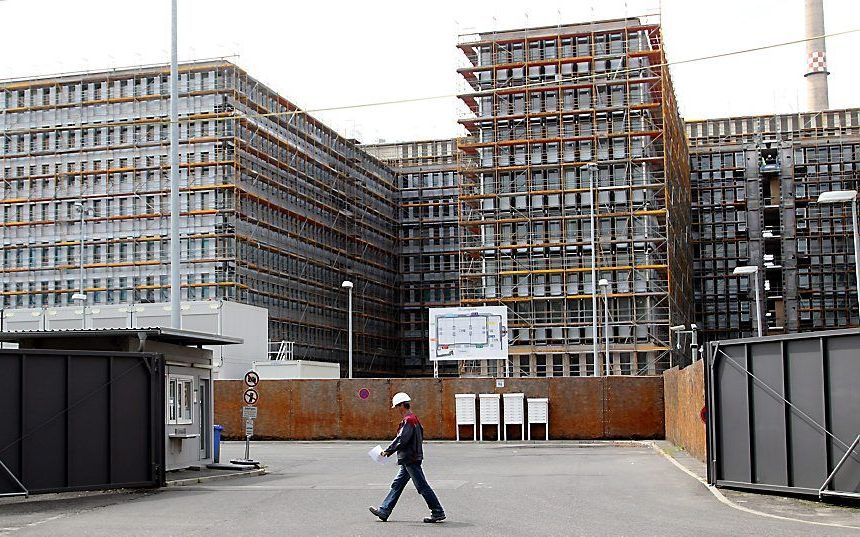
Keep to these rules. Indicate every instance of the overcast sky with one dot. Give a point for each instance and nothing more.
(323, 54)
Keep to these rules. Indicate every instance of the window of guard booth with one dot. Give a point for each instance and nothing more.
(180, 399)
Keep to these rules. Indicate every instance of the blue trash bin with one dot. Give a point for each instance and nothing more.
(216, 437)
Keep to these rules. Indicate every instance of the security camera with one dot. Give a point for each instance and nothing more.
(693, 326)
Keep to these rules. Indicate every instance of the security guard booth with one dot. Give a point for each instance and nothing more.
(176, 364)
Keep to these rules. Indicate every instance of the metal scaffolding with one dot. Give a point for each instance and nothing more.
(277, 208)
(429, 239)
(564, 121)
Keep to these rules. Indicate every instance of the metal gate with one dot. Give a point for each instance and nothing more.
(784, 413)
(80, 420)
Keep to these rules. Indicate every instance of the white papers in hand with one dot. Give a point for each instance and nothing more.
(377, 456)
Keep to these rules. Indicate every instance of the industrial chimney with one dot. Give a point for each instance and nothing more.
(816, 55)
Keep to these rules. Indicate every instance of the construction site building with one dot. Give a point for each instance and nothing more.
(557, 117)
(429, 240)
(277, 209)
(756, 182)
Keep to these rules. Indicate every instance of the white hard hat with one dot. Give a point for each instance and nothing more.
(400, 397)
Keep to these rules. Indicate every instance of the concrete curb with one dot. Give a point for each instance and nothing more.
(219, 477)
(723, 499)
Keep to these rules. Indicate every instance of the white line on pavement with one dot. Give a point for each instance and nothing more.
(719, 495)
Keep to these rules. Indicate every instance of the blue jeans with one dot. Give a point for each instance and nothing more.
(414, 472)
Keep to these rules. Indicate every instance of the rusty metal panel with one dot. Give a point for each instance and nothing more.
(634, 407)
(313, 410)
(580, 407)
(371, 417)
(275, 410)
(684, 399)
(576, 408)
(228, 407)
(783, 412)
(426, 396)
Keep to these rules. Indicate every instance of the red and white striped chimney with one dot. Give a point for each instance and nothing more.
(816, 55)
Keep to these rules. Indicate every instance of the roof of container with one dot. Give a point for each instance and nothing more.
(157, 333)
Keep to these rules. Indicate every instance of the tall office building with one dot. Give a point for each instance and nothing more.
(756, 181)
(570, 124)
(429, 240)
(277, 209)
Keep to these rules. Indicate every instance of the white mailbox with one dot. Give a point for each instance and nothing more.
(514, 412)
(465, 412)
(490, 413)
(538, 413)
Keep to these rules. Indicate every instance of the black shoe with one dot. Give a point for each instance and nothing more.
(433, 518)
(382, 516)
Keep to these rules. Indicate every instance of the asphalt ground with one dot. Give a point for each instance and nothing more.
(487, 489)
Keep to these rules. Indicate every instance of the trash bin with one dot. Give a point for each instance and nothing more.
(216, 437)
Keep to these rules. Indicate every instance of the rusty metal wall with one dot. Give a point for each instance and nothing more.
(579, 408)
(684, 393)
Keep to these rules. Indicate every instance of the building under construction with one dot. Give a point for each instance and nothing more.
(277, 209)
(429, 239)
(756, 182)
(574, 129)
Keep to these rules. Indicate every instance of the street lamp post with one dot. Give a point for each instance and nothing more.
(746, 271)
(592, 168)
(81, 296)
(694, 343)
(604, 286)
(348, 286)
(841, 196)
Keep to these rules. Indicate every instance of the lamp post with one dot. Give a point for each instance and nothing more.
(746, 271)
(592, 168)
(604, 287)
(694, 343)
(81, 296)
(348, 286)
(841, 196)
(175, 282)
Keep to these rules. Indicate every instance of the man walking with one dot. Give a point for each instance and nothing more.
(410, 453)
